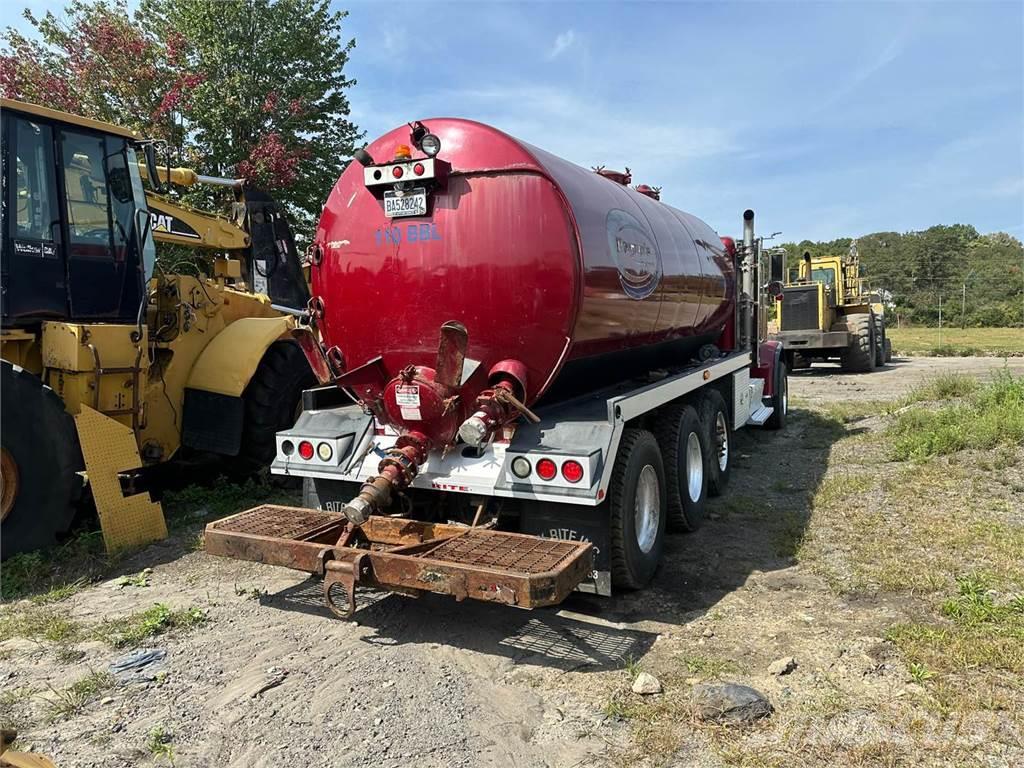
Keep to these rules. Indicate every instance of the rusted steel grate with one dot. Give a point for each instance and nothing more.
(279, 522)
(502, 551)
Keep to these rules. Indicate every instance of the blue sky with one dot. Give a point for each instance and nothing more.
(828, 119)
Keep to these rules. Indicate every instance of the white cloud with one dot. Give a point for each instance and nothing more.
(563, 42)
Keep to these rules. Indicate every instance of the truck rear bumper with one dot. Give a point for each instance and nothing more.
(800, 340)
(405, 556)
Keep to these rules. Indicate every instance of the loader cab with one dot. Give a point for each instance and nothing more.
(75, 229)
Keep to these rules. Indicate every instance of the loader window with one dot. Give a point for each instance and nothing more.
(825, 275)
(35, 216)
(88, 203)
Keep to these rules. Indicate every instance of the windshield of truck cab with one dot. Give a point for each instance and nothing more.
(825, 275)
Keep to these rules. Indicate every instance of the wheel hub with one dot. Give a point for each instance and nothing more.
(9, 483)
(722, 441)
(647, 511)
(694, 467)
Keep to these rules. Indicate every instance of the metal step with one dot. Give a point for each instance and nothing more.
(406, 556)
(760, 416)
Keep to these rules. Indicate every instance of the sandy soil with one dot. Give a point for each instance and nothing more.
(430, 682)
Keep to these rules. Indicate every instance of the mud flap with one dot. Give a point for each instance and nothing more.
(567, 523)
(109, 447)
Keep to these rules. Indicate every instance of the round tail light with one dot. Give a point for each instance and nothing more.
(397, 171)
(547, 469)
(521, 467)
(572, 471)
(418, 169)
(306, 450)
(324, 451)
(287, 447)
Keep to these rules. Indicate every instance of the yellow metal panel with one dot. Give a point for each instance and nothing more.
(108, 447)
(67, 117)
(66, 346)
(230, 360)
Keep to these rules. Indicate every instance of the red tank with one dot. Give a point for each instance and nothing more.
(560, 276)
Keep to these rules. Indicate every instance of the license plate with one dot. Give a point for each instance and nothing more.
(411, 203)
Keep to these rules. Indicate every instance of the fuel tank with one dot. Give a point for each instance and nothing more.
(572, 274)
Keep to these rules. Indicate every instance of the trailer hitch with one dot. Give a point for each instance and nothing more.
(345, 574)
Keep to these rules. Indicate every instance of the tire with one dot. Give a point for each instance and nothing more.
(41, 462)
(635, 557)
(859, 356)
(272, 401)
(780, 398)
(879, 341)
(888, 350)
(686, 477)
(717, 441)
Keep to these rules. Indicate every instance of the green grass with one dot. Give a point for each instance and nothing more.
(160, 743)
(133, 630)
(39, 624)
(73, 699)
(989, 416)
(999, 342)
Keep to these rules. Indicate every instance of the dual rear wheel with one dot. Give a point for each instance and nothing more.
(661, 482)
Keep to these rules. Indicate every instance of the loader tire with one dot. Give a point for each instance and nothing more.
(859, 356)
(683, 442)
(879, 342)
(888, 350)
(718, 441)
(636, 500)
(41, 459)
(272, 402)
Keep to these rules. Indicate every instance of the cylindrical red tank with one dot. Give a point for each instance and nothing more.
(574, 275)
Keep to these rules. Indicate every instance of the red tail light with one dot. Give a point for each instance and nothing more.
(306, 450)
(547, 469)
(397, 171)
(418, 169)
(572, 471)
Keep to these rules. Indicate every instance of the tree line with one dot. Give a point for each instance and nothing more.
(978, 278)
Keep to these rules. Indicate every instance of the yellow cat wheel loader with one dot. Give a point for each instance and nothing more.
(119, 377)
(826, 311)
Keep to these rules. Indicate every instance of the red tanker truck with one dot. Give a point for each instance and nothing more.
(529, 372)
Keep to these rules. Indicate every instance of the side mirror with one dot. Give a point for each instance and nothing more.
(152, 167)
(775, 289)
(777, 267)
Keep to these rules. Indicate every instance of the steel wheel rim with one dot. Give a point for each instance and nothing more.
(722, 441)
(694, 467)
(785, 397)
(9, 483)
(647, 509)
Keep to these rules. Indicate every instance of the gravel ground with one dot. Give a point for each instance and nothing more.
(273, 679)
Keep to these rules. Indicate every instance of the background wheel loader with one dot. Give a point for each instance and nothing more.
(118, 375)
(826, 311)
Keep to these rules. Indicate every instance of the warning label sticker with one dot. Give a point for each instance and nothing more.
(411, 414)
(408, 396)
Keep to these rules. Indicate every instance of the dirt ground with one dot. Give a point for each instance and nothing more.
(271, 679)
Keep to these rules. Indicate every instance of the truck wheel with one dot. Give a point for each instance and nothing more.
(272, 401)
(39, 463)
(888, 350)
(718, 438)
(636, 500)
(684, 445)
(879, 342)
(780, 398)
(859, 356)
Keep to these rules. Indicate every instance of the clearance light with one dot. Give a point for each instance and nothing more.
(521, 467)
(287, 447)
(306, 450)
(325, 452)
(397, 171)
(402, 152)
(546, 469)
(418, 169)
(572, 471)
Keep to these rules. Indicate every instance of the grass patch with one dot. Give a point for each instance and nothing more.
(953, 342)
(130, 631)
(73, 699)
(15, 710)
(39, 624)
(160, 743)
(944, 386)
(992, 415)
(197, 502)
(56, 574)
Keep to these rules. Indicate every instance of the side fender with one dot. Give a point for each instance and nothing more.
(769, 354)
(230, 360)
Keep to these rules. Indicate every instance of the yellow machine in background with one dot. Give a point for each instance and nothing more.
(827, 311)
(116, 375)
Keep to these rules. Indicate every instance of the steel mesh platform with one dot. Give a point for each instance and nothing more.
(279, 522)
(503, 551)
